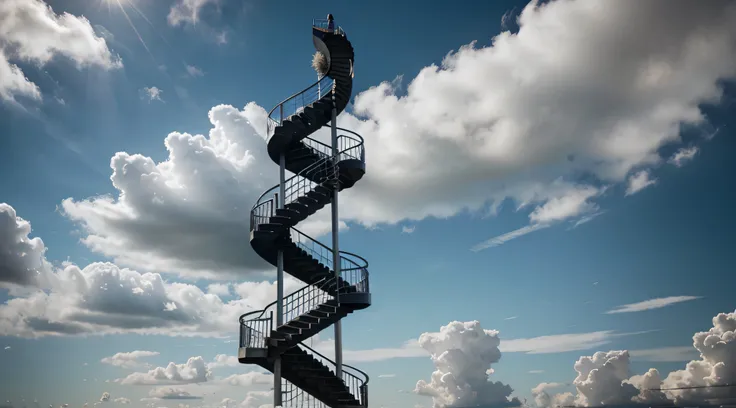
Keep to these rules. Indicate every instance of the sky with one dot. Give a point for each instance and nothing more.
(547, 209)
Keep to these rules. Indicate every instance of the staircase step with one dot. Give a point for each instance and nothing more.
(309, 202)
(308, 319)
(319, 197)
(285, 328)
(327, 308)
(279, 219)
(272, 227)
(288, 213)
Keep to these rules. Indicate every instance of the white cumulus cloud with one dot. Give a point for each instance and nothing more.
(30, 31)
(102, 298)
(518, 120)
(193, 371)
(606, 378)
(129, 359)
(462, 354)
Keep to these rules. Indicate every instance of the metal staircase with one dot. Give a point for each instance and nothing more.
(309, 379)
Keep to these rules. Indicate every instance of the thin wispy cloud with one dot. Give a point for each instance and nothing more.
(387, 376)
(587, 219)
(511, 318)
(557, 343)
(651, 304)
(408, 230)
(536, 371)
(639, 181)
(683, 155)
(504, 238)
(665, 354)
(194, 71)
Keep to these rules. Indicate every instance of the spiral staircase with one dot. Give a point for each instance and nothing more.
(309, 379)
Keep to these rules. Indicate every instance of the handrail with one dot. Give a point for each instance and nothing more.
(309, 95)
(322, 24)
(362, 266)
(357, 386)
(254, 332)
(350, 271)
(269, 205)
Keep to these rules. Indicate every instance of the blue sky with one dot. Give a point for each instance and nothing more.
(577, 163)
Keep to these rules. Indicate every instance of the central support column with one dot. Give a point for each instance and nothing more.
(279, 277)
(335, 239)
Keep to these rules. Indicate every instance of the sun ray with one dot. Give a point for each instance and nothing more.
(140, 13)
(134, 29)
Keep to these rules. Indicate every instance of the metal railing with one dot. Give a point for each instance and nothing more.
(296, 103)
(349, 147)
(256, 327)
(353, 268)
(299, 185)
(323, 24)
(355, 380)
(295, 397)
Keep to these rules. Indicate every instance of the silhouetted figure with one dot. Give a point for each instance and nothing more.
(330, 23)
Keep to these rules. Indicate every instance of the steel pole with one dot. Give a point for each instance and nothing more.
(279, 276)
(336, 241)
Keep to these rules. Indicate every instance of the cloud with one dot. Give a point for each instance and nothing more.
(587, 218)
(664, 354)
(564, 201)
(194, 371)
(511, 318)
(249, 379)
(187, 11)
(7, 347)
(408, 230)
(558, 343)
(462, 354)
(523, 119)
(257, 399)
(224, 360)
(573, 203)
(169, 393)
(683, 155)
(504, 238)
(605, 377)
(386, 375)
(651, 304)
(103, 298)
(22, 259)
(189, 214)
(30, 31)
(122, 400)
(105, 397)
(129, 359)
(409, 349)
(639, 181)
(219, 289)
(536, 371)
(194, 71)
(152, 94)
